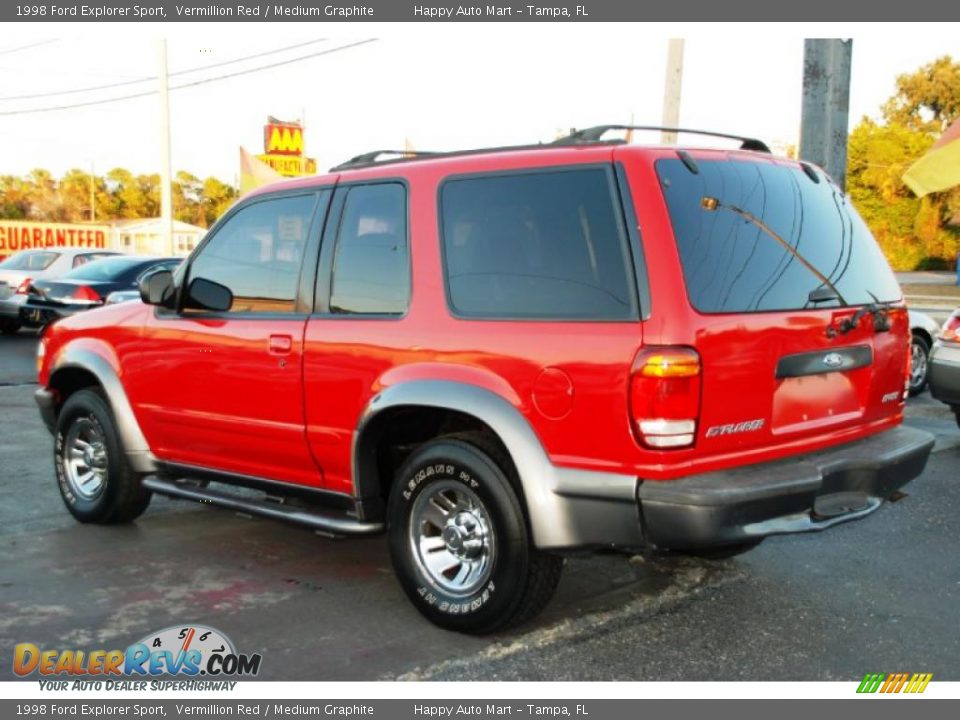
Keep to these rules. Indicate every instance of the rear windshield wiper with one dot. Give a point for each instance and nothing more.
(824, 292)
(879, 310)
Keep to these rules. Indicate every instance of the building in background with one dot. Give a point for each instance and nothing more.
(144, 236)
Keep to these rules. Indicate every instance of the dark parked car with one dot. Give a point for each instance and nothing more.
(945, 365)
(86, 287)
(23, 268)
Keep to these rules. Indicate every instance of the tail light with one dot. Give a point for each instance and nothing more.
(665, 396)
(950, 332)
(86, 295)
(24, 287)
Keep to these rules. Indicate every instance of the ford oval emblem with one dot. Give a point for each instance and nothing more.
(833, 360)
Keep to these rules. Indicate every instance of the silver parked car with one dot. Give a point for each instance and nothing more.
(923, 331)
(945, 364)
(19, 270)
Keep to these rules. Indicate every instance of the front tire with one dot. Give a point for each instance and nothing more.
(459, 541)
(96, 482)
(919, 363)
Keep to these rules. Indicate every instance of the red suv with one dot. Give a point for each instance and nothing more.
(499, 356)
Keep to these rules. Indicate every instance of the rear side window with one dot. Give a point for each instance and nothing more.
(89, 257)
(371, 264)
(732, 265)
(545, 245)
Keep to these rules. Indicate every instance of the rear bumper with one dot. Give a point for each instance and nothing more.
(39, 315)
(944, 377)
(800, 494)
(10, 307)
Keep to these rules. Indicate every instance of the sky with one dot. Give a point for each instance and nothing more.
(440, 86)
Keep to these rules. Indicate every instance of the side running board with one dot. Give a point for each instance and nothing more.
(324, 521)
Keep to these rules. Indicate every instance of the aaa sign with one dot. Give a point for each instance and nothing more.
(281, 138)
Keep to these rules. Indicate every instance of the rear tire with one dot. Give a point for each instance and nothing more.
(96, 482)
(9, 326)
(459, 540)
(919, 363)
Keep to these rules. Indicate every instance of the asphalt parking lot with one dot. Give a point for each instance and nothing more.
(879, 595)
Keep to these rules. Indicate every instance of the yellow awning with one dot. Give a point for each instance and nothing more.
(939, 169)
(254, 173)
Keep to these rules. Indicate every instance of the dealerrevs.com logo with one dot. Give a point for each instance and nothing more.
(181, 651)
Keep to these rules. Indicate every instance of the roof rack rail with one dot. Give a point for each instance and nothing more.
(372, 158)
(595, 134)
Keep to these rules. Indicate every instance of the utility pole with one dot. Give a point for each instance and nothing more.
(671, 89)
(166, 192)
(825, 115)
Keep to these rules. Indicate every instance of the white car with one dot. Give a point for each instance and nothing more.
(19, 270)
(923, 331)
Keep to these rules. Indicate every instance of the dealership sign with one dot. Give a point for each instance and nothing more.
(16, 235)
(283, 149)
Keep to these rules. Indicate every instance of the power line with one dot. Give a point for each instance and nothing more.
(204, 81)
(8, 51)
(136, 81)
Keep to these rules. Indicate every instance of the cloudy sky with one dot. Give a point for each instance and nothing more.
(442, 86)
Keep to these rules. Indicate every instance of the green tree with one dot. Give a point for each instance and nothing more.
(913, 233)
(928, 99)
(217, 199)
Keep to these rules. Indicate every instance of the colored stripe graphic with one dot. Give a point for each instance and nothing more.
(894, 682)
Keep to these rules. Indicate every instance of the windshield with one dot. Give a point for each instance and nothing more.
(30, 260)
(105, 269)
(732, 263)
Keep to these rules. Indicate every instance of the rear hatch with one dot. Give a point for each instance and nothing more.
(800, 326)
(64, 292)
(9, 282)
(23, 266)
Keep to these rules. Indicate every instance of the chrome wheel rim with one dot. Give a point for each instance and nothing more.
(452, 538)
(85, 458)
(918, 365)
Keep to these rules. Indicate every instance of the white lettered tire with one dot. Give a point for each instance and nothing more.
(459, 541)
(95, 480)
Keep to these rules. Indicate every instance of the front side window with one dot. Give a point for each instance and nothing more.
(257, 254)
(547, 245)
(371, 264)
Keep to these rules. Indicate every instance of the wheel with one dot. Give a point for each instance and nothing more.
(919, 352)
(96, 482)
(9, 326)
(723, 552)
(459, 542)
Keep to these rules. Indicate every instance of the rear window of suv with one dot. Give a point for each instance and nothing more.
(732, 265)
(542, 244)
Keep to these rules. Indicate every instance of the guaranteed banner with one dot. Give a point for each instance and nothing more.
(17, 235)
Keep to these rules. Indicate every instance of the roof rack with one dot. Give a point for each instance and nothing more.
(595, 134)
(587, 136)
(373, 158)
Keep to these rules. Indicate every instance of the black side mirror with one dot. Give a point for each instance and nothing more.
(156, 288)
(203, 294)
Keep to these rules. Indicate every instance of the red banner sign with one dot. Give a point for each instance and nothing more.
(16, 235)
